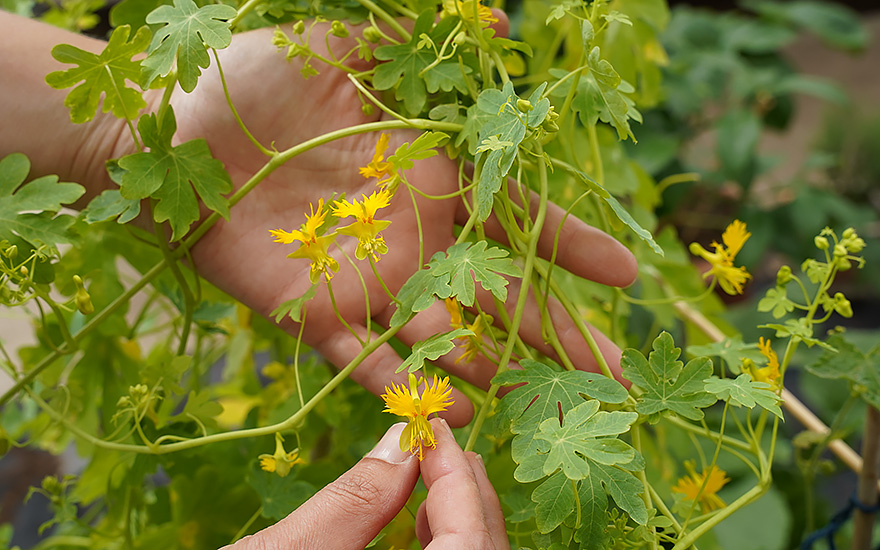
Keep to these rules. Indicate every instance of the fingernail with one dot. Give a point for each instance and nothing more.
(446, 425)
(482, 464)
(388, 448)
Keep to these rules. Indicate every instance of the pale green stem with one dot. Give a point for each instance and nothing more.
(387, 18)
(530, 263)
(245, 9)
(234, 111)
(287, 424)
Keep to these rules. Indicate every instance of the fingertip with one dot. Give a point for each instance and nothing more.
(461, 412)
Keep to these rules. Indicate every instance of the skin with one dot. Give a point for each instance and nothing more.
(279, 107)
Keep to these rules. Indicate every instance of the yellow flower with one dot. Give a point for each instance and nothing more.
(454, 312)
(365, 227)
(730, 277)
(770, 373)
(314, 246)
(281, 462)
(465, 10)
(408, 403)
(474, 342)
(378, 168)
(691, 485)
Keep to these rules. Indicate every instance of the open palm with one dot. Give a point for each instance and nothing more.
(283, 109)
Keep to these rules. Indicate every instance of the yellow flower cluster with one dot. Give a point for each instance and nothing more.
(730, 277)
(314, 243)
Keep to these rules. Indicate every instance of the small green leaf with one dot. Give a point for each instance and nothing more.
(422, 147)
(29, 211)
(405, 65)
(745, 392)
(432, 349)
(293, 308)
(170, 173)
(668, 387)
(502, 119)
(776, 300)
(110, 204)
(102, 74)
(415, 295)
(466, 263)
(732, 350)
(188, 32)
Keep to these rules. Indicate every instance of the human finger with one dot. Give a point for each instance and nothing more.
(456, 513)
(582, 249)
(363, 500)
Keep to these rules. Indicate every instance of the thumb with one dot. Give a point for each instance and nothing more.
(349, 512)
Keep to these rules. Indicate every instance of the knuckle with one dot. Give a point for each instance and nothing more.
(355, 492)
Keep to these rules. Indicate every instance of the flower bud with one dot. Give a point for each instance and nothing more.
(524, 105)
(842, 305)
(367, 109)
(11, 252)
(839, 251)
(279, 39)
(854, 245)
(299, 27)
(821, 243)
(372, 35)
(460, 38)
(849, 233)
(337, 29)
(82, 299)
(24, 271)
(783, 276)
(843, 264)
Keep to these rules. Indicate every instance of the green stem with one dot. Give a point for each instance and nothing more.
(387, 18)
(232, 108)
(245, 9)
(171, 262)
(292, 421)
(751, 495)
(530, 264)
(247, 525)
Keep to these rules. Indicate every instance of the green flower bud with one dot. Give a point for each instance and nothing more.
(783, 276)
(279, 39)
(81, 298)
(821, 243)
(299, 27)
(552, 115)
(849, 233)
(24, 271)
(854, 245)
(11, 252)
(337, 29)
(372, 35)
(839, 251)
(842, 305)
(524, 105)
(460, 38)
(843, 264)
(367, 109)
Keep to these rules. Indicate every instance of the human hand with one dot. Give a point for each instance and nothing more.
(280, 107)
(461, 510)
